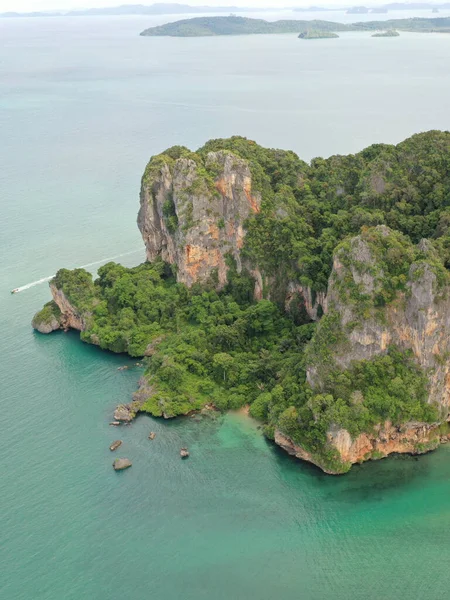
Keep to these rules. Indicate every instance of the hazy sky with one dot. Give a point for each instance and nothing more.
(29, 5)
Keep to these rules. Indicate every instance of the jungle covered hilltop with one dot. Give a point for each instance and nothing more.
(316, 293)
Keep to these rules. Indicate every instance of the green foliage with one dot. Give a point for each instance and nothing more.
(260, 407)
(170, 215)
(77, 286)
(222, 348)
(415, 24)
(385, 256)
(307, 211)
(49, 312)
(232, 25)
(386, 388)
(423, 448)
(329, 336)
(205, 347)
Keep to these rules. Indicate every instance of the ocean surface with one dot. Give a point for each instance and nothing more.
(84, 103)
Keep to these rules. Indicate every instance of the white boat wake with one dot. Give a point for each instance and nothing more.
(92, 264)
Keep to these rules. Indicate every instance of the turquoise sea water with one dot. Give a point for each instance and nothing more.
(83, 104)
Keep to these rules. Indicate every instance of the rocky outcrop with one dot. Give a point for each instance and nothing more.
(120, 464)
(125, 413)
(411, 438)
(59, 314)
(293, 449)
(193, 217)
(416, 319)
(383, 292)
(71, 318)
(48, 319)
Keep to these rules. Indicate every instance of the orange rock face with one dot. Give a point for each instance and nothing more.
(412, 438)
(210, 222)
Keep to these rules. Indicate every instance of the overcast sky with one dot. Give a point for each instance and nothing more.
(29, 5)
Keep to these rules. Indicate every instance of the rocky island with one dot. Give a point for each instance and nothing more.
(319, 294)
(313, 34)
(386, 34)
(232, 25)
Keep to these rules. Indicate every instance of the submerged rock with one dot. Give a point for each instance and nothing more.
(121, 464)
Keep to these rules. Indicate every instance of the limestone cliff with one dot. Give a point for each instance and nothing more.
(71, 317)
(193, 216)
(59, 314)
(383, 293)
(385, 439)
(73, 301)
(416, 317)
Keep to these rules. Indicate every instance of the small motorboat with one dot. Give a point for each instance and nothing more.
(14, 291)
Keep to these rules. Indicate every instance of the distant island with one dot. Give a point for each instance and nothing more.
(419, 24)
(178, 9)
(233, 25)
(313, 34)
(396, 6)
(389, 33)
(133, 9)
(358, 10)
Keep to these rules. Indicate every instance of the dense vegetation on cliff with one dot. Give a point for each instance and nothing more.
(308, 209)
(220, 346)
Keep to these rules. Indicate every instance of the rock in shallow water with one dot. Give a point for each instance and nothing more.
(115, 445)
(121, 463)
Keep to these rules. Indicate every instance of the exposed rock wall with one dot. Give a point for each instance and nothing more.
(193, 217)
(70, 317)
(209, 211)
(312, 303)
(417, 319)
(411, 438)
